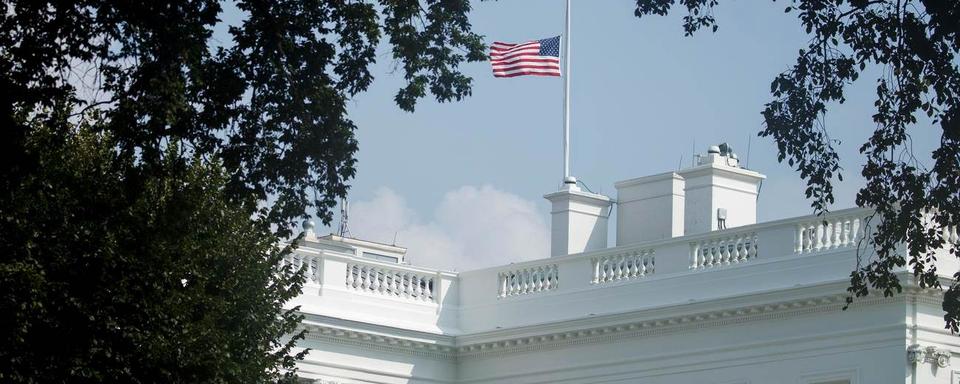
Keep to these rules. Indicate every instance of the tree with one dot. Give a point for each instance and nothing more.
(149, 172)
(916, 43)
(270, 104)
(168, 284)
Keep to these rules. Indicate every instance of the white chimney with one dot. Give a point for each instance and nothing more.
(578, 221)
(718, 193)
(650, 208)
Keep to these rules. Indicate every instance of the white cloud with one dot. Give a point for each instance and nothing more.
(471, 228)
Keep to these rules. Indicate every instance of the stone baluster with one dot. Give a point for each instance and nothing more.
(804, 238)
(845, 229)
(622, 267)
(723, 250)
(707, 254)
(617, 268)
(532, 273)
(408, 285)
(388, 283)
(614, 264)
(694, 255)
(544, 279)
(521, 282)
(384, 281)
(429, 296)
(503, 284)
(837, 228)
(828, 229)
(400, 284)
(743, 253)
(556, 277)
(374, 276)
(732, 250)
(601, 270)
(715, 255)
(539, 277)
(627, 265)
(371, 279)
(506, 285)
(704, 254)
(349, 278)
(517, 283)
(414, 287)
(818, 244)
(703, 251)
(396, 279)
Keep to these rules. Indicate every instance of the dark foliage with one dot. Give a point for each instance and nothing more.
(916, 43)
(271, 103)
(170, 284)
(148, 172)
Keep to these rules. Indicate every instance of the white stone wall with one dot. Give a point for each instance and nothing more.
(756, 304)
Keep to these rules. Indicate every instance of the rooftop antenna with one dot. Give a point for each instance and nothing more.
(344, 231)
(395, 233)
(746, 162)
(694, 156)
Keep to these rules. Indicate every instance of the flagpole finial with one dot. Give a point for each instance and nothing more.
(570, 184)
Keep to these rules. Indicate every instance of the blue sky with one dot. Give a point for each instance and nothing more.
(642, 95)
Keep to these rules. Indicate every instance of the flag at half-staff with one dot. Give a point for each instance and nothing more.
(537, 58)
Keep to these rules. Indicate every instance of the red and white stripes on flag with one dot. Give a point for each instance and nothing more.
(537, 58)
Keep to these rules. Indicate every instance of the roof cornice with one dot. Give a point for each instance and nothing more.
(613, 328)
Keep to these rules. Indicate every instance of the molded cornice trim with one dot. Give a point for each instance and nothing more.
(381, 338)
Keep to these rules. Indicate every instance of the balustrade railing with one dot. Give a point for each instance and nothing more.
(829, 233)
(393, 282)
(528, 280)
(699, 252)
(723, 250)
(309, 263)
(632, 264)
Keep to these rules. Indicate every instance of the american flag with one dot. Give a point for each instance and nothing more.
(538, 58)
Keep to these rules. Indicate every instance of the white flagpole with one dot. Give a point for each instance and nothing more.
(567, 179)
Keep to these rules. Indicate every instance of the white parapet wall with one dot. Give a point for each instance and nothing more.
(754, 304)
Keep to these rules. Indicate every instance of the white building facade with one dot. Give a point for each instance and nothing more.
(694, 291)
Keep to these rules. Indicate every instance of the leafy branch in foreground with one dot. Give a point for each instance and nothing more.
(148, 170)
(173, 284)
(915, 43)
(270, 102)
